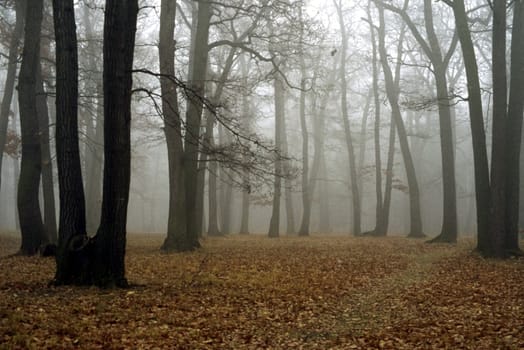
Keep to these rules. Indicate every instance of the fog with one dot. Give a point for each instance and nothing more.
(303, 47)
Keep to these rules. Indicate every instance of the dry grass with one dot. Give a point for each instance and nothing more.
(259, 293)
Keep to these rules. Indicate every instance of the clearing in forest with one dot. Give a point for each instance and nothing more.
(253, 292)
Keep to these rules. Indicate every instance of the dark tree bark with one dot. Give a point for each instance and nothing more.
(31, 224)
(119, 43)
(177, 224)
(18, 31)
(72, 205)
(514, 131)
(481, 170)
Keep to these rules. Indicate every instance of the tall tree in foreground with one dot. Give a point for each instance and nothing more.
(31, 224)
(119, 44)
(72, 220)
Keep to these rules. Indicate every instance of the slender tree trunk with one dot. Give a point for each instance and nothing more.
(376, 133)
(274, 224)
(478, 135)
(306, 201)
(288, 184)
(498, 150)
(347, 130)
(31, 224)
(246, 117)
(193, 122)
(47, 164)
(392, 93)
(5, 107)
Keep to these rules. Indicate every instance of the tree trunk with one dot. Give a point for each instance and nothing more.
(176, 224)
(514, 132)
(482, 186)
(31, 224)
(288, 184)
(498, 150)
(347, 129)
(392, 93)
(47, 164)
(119, 43)
(72, 203)
(5, 107)
(274, 224)
(306, 201)
(246, 117)
(193, 121)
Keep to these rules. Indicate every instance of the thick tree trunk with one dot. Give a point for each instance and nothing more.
(514, 132)
(72, 204)
(11, 75)
(31, 224)
(119, 43)
(176, 224)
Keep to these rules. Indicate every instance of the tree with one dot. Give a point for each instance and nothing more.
(31, 224)
(197, 75)
(392, 93)
(345, 119)
(18, 31)
(119, 44)
(432, 48)
(98, 260)
(72, 220)
(177, 224)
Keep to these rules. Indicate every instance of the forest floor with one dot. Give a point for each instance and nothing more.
(321, 292)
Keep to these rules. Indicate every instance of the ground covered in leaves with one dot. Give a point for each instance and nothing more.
(328, 292)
